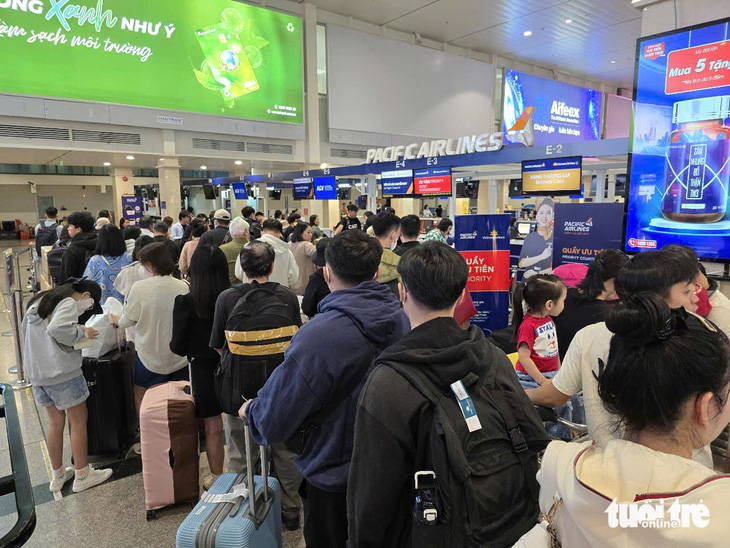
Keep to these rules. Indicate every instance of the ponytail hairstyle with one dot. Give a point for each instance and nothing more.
(660, 358)
(535, 292)
(605, 266)
(655, 272)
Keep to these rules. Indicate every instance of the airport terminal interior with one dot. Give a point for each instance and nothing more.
(534, 179)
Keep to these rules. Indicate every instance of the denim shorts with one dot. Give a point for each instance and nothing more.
(63, 395)
(146, 379)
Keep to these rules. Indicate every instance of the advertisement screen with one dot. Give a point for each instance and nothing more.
(552, 176)
(325, 188)
(214, 57)
(434, 180)
(680, 142)
(303, 188)
(563, 113)
(397, 183)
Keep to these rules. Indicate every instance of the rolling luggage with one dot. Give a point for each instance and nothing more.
(169, 439)
(112, 422)
(227, 516)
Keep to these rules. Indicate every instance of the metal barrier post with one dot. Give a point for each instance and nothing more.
(8, 262)
(16, 317)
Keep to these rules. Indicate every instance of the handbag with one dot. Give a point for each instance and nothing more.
(542, 535)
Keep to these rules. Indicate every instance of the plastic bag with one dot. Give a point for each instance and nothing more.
(110, 337)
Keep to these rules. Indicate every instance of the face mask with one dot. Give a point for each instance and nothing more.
(84, 304)
(144, 273)
(394, 245)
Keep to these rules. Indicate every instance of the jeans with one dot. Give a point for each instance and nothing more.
(565, 411)
(284, 469)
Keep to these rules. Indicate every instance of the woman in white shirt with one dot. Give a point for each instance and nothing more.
(303, 250)
(149, 306)
(666, 382)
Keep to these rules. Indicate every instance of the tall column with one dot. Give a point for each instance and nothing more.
(169, 175)
(483, 197)
(611, 188)
(600, 185)
(312, 144)
(122, 183)
(493, 196)
(372, 190)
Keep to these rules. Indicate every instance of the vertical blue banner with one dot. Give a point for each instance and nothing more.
(132, 208)
(483, 241)
(583, 230)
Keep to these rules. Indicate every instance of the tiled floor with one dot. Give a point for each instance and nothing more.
(110, 515)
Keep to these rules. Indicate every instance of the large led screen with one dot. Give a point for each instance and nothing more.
(563, 113)
(680, 142)
(552, 176)
(213, 57)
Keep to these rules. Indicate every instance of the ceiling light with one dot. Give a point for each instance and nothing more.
(322, 166)
(527, 33)
(203, 167)
(613, 62)
(344, 185)
(130, 157)
(107, 164)
(238, 162)
(568, 21)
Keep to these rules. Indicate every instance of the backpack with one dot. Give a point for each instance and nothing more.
(479, 488)
(45, 236)
(258, 331)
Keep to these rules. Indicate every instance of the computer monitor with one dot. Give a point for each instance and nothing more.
(524, 228)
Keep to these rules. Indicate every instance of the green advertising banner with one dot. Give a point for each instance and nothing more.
(208, 56)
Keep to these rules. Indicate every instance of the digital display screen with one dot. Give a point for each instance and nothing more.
(680, 142)
(552, 176)
(524, 228)
(303, 188)
(434, 180)
(397, 183)
(215, 57)
(563, 113)
(325, 188)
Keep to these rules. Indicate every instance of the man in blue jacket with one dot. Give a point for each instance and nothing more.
(355, 322)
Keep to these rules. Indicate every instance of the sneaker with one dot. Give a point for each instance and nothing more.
(58, 483)
(137, 448)
(92, 478)
(290, 524)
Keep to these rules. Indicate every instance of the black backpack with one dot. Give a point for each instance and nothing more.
(258, 331)
(482, 490)
(45, 236)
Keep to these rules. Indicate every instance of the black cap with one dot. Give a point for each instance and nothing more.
(318, 257)
(82, 285)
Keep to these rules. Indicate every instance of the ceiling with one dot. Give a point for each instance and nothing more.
(599, 43)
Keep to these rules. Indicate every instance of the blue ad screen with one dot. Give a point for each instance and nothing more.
(325, 188)
(397, 183)
(680, 143)
(303, 188)
(563, 113)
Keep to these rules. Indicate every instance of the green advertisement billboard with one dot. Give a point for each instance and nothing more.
(217, 57)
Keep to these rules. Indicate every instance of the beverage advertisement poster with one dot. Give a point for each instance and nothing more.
(582, 231)
(680, 143)
(483, 241)
(216, 57)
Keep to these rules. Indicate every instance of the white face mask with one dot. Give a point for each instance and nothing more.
(144, 273)
(84, 304)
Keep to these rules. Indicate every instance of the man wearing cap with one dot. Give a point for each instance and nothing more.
(217, 236)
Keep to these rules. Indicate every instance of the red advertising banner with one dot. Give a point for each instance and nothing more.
(652, 51)
(697, 68)
(488, 270)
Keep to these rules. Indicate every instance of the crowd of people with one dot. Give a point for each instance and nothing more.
(390, 423)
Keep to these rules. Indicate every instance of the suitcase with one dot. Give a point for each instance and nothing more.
(227, 516)
(112, 422)
(169, 439)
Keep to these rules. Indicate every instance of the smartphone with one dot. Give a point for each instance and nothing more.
(231, 67)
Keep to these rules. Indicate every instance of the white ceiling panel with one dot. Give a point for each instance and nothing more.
(377, 12)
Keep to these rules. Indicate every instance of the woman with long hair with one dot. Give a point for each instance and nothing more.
(109, 259)
(303, 250)
(192, 323)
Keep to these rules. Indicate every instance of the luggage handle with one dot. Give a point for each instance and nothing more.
(263, 452)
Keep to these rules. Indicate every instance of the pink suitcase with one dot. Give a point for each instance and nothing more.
(169, 439)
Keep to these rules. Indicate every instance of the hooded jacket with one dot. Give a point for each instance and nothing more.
(77, 255)
(286, 270)
(323, 355)
(388, 267)
(380, 490)
(48, 354)
(590, 479)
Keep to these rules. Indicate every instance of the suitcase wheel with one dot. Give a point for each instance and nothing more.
(151, 514)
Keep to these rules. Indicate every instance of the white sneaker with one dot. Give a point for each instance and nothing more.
(92, 478)
(58, 483)
(137, 448)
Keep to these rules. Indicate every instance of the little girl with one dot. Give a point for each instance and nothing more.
(52, 333)
(534, 302)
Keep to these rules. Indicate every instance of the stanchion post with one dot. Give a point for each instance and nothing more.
(17, 321)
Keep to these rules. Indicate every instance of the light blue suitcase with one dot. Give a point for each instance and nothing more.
(239, 523)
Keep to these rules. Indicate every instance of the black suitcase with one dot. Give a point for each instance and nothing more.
(112, 423)
(502, 339)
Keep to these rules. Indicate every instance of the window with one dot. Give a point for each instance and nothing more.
(322, 59)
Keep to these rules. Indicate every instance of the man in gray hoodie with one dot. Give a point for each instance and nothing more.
(286, 271)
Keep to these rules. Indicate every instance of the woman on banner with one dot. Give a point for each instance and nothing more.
(537, 251)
